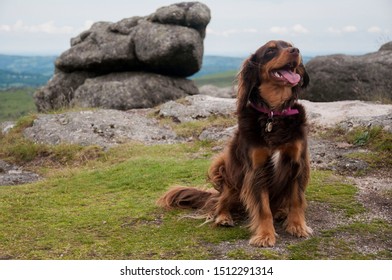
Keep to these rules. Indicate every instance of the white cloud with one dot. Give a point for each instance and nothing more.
(374, 29)
(5, 28)
(345, 29)
(295, 29)
(46, 27)
(298, 28)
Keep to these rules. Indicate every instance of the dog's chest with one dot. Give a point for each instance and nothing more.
(279, 131)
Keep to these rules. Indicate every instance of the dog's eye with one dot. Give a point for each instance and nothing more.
(269, 53)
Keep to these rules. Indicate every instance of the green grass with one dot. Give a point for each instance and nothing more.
(328, 188)
(374, 137)
(377, 140)
(101, 205)
(108, 212)
(15, 103)
(224, 79)
(106, 209)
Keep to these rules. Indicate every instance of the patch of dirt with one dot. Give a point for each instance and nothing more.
(328, 155)
(374, 188)
(375, 193)
(319, 217)
(366, 243)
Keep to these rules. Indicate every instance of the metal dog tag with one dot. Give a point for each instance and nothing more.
(268, 127)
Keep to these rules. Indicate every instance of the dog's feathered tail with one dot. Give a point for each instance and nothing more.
(190, 198)
(204, 201)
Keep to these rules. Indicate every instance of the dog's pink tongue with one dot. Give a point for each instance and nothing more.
(291, 77)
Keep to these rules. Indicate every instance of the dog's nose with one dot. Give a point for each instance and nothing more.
(294, 50)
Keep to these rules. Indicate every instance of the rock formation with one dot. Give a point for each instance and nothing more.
(342, 77)
(137, 62)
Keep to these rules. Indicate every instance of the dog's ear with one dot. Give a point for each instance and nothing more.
(248, 80)
(305, 77)
(303, 83)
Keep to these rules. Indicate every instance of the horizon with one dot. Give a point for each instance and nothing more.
(236, 29)
(32, 54)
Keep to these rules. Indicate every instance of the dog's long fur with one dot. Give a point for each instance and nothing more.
(262, 172)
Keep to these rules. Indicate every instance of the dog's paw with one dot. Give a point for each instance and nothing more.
(224, 220)
(266, 239)
(299, 230)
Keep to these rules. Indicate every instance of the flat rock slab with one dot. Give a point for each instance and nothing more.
(197, 107)
(105, 128)
(11, 175)
(328, 114)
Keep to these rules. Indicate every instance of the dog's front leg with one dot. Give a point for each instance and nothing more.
(295, 223)
(255, 196)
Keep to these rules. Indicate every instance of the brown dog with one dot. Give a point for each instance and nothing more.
(265, 167)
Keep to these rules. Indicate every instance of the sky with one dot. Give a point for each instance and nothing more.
(237, 28)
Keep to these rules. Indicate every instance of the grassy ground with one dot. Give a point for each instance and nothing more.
(225, 79)
(101, 205)
(15, 103)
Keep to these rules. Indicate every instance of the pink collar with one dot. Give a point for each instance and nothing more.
(271, 113)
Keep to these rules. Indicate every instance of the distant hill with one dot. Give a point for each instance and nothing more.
(43, 65)
(25, 71)
(221, 79)
(218, 64)
(9, 79)
(35, 71)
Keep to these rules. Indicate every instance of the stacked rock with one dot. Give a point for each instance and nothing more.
(138, 62)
